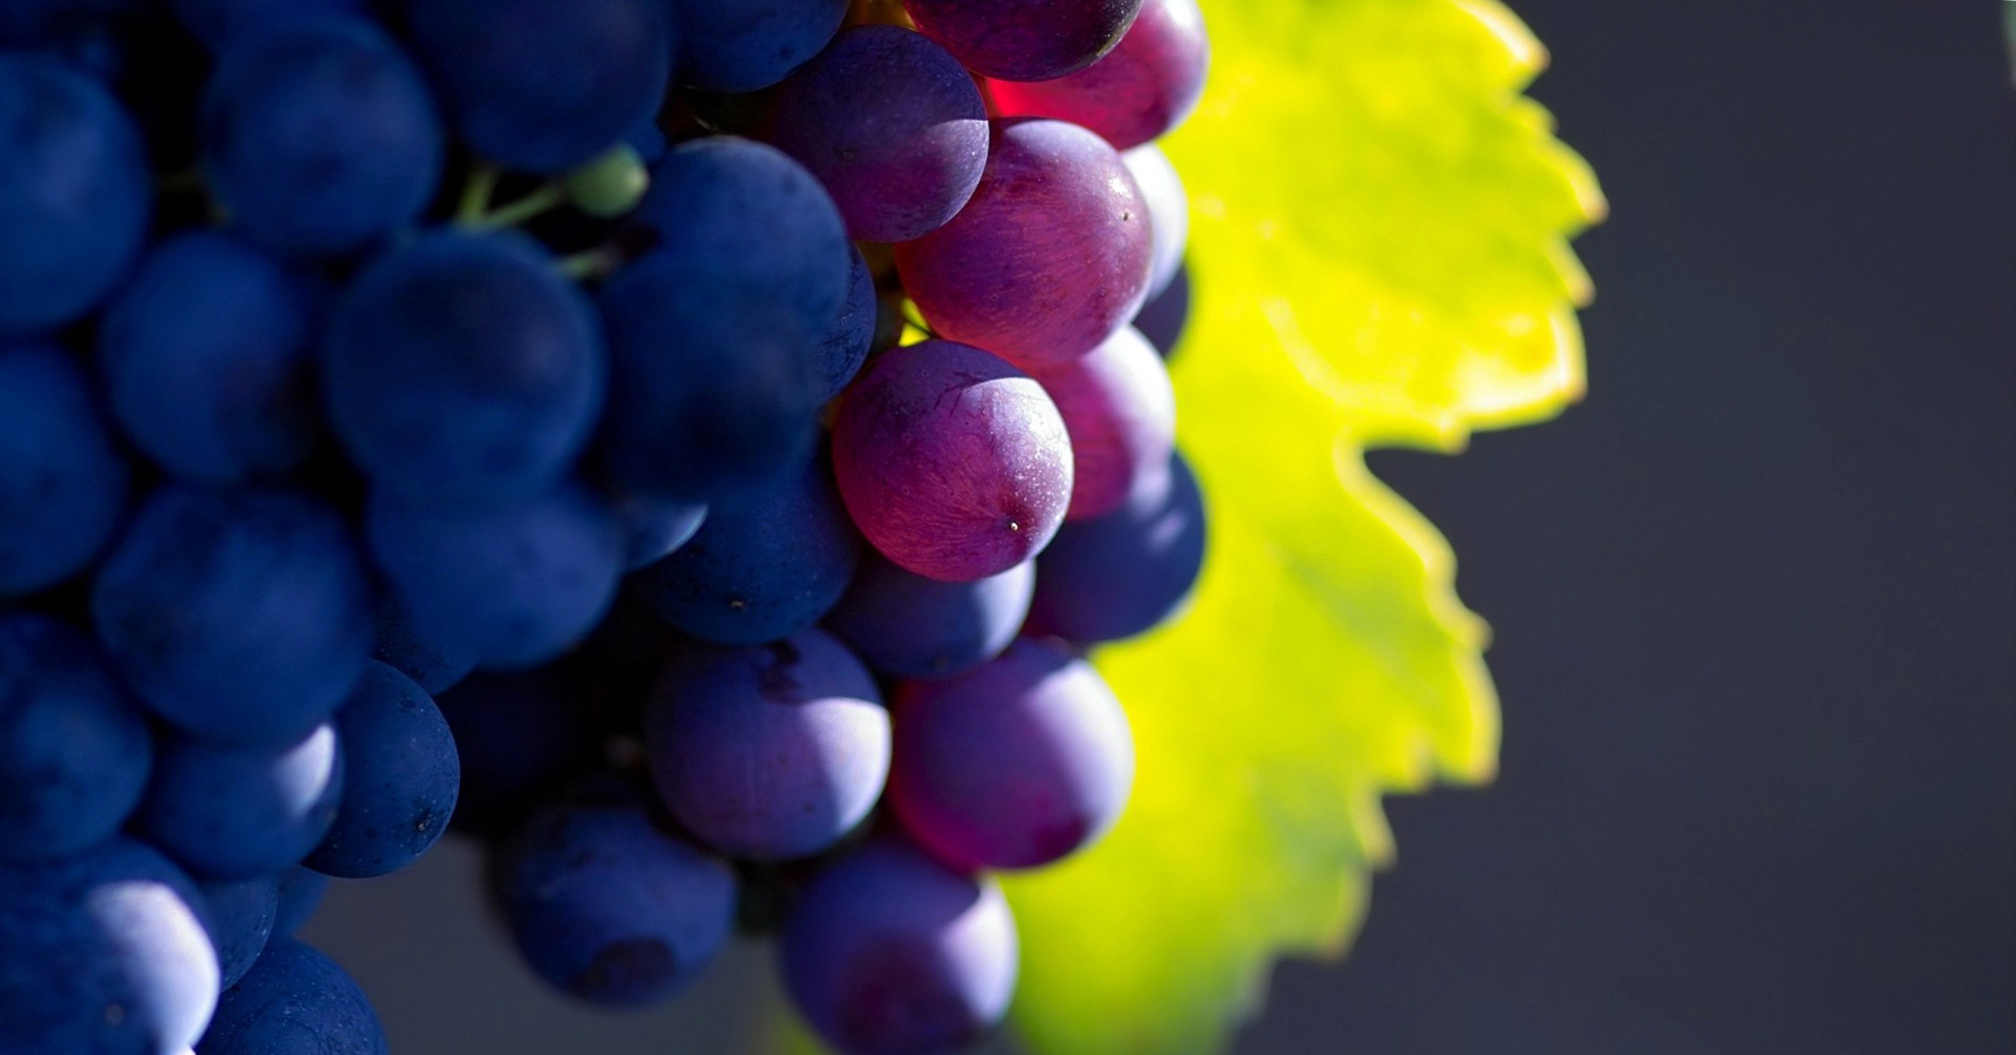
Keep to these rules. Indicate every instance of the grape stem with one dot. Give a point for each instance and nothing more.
(476, 192)
(545, 199)
(589, 264)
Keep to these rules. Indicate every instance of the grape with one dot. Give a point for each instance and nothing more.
(242, 812)
(1126, 572)
(1120, 411)
(653, 528)
(241, 921)
(1049, 257)
(515, 585)
(768, 751)
(215, 22)
(889, 953)
(294, 1000)
(908, 626)
(714, 384)
(1163, 319)
(104, 952)
(845, 346)
(1012, 765)
(545, 85)
(400, 780)
(758, 570)
(743, 45)
(518, 735)
(207, 359)
(953, 463)
(464, 367)
(1168, 213)
(242, 616)
(319, 135)
(62, 479)
(75, 752)
(75, 193)
(300, 894)
(605, 906)
(432, 665)
(1139, 91)
(1024, 40)
(892, 126)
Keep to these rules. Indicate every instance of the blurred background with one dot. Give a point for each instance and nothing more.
(1755, 604)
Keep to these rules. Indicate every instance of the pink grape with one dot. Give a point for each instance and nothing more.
(1024, 40)
(1139, 91)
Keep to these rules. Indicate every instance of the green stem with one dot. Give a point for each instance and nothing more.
(550, 196)
(599, 262)
(476, 192)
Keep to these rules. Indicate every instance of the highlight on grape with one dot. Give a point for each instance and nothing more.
(689, 450)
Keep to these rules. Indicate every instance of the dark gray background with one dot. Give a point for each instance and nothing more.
(1755, 602)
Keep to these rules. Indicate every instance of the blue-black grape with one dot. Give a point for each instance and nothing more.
(241, 920)
(890, 953)
(243, 616)
(62, 478)
(768, 751)
(892, 126)
(605, 906)
(400, 781)
(215, 22)
(545, 85)
(207, 356)
(1014, 764)
(654, 527)
(907, 626)
(743, 45)
(300, 891)
(464, 367)
(518, 735)
(847, 341)
(294, 999)
(103, 953)
(434, 664)
(761, 569)
(75, 751)
(319, 135)
(242, 812)
(514, 585)
(1124, 573)
(75, 193)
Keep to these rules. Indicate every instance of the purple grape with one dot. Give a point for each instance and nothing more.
(889, 953)
(845, 347)
(1138, 92)
(1014, 764)
(1126, 572)
(1120, 410)
(242, 812)
(892, 126)
(1163, 319)
(1168, 213)
(907, 626)
(1049, 257)
(654, 527)
(605, 906)
(744, 45)
(771, 751)
(953, 463)
(1024, 40)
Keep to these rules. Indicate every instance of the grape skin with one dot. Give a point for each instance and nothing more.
(401, 781)
(1025, 40)
(1138, 92)
(242, 812)
(63, 480)
(294, 999)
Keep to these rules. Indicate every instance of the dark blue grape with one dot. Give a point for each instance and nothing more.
(464, 367)
(75, 193)
(907, 626)
(759, 570)
(743, 45)
(401, 778)
(1125, 572)
(893, 127)
(300, 894)
(545, 85)
(242, 616)
(653, 527)
(768, 751)
(294, 1000)
(242, 812)
(433, 665)
(75, 752)
(605, 906)
(215, 22)
(208, 360)
(104, 953)
(890, 953)
(519, 735)
(62, 478)
(241, 921)
(319, 135)
(847, 341)
(514, 585)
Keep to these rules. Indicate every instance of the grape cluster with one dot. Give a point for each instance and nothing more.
(688, 445)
